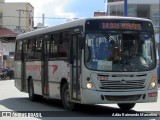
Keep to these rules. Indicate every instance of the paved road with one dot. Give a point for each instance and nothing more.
(13, 100)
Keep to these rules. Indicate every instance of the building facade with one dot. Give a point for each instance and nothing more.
(136, 8)
(7, 47)
(17, 17)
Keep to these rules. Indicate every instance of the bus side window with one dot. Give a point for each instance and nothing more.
(18, 50)
(31, 47)
(38, 47)
(53, 53)
(63, 45)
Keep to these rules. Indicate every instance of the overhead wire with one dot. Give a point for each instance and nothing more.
(40, 17)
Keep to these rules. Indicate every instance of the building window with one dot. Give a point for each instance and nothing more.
(143, 11)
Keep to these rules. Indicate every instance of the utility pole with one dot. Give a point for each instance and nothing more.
(19, 21)
(43, 19)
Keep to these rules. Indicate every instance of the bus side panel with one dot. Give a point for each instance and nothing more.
(17, 75)
(33, 70)
(56, 71)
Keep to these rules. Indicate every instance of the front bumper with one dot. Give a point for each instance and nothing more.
(99, 97)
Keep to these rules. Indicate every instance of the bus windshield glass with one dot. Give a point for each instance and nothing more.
(120, 51)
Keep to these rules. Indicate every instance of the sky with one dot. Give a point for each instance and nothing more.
(63, 9)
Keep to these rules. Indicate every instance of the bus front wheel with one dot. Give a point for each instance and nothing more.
(126, 106)
(32, 96)
(66, 98)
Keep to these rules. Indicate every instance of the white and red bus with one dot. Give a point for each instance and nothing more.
(102, 60)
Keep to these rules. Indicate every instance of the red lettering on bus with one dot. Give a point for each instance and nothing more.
(33, 67)
(55, 68)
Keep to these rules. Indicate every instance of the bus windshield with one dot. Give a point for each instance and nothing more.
(120, 51)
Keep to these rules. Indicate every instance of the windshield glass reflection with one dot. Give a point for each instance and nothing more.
(120, 52)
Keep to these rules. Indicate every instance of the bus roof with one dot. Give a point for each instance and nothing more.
(78, 22)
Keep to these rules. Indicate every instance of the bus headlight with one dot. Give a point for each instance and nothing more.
(153, 84)
(89, 85)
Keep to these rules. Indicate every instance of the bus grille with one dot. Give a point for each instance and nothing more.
(123, 98)
(122, 84)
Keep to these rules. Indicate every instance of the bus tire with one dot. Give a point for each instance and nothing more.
(126, 106)
(32, 96)
(66, 98)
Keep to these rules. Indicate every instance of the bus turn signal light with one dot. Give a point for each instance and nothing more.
(154, 78)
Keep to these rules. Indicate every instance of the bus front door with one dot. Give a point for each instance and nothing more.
(75, 68)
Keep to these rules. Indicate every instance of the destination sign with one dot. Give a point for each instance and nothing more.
(118, 25)
(133, 26)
